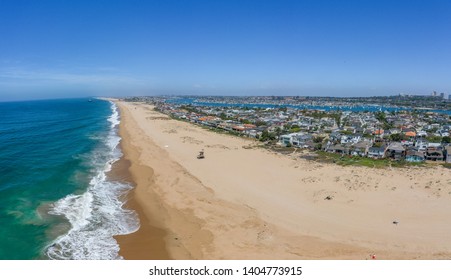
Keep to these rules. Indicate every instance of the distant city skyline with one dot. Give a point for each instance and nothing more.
(60, 49)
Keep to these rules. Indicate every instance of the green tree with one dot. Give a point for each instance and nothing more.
(434, 139)
(387, 126)
(380, 116)
(266, 136)
(396, 137)
(378, 144)
(337, 118)
(446, 139)
(318, 139)
(286, 127)
(260, 123)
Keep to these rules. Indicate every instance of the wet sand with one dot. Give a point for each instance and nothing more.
(148, 242)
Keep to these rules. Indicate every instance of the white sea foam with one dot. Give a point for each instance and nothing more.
(114, 118)
(98, 214)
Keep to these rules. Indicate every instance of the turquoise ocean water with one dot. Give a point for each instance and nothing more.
(55, 198)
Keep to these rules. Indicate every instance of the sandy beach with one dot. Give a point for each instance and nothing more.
(244, 202)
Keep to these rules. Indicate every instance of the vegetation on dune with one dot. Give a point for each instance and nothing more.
(363, 161)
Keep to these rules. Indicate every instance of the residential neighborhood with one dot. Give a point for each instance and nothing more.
(401, 135)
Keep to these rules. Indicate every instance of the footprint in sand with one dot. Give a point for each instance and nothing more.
(171, 131)
(191, 140)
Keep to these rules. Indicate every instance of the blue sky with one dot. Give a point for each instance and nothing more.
(247, 47)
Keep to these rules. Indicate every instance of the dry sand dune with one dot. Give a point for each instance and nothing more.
(242, 202)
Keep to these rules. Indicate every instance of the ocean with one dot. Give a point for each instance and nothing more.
(56, 200)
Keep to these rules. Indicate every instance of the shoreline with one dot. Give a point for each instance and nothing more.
(231, 206)
(147, 243)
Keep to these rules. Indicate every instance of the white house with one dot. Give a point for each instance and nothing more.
(350, 139)
(422, 133)
(421, 145)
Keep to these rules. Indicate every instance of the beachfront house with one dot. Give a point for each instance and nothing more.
(360, 148)
(309, 144)
(448, 154)
(286, 140)
(395, 151)
(294, 139)
(434, 153)
(338, 148)
(226, 125)
(301, 140)
(377, 152)
(238, 128)
(251, 133)
(414, 156)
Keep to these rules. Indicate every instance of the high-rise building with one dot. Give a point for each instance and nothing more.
(442, 95)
